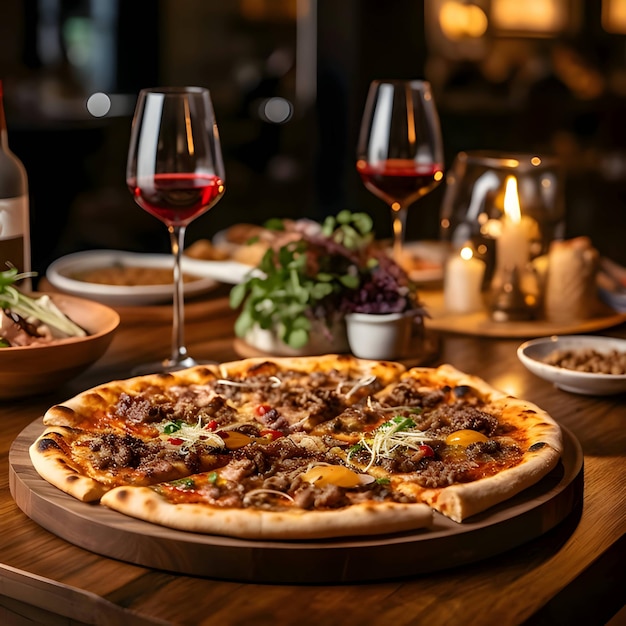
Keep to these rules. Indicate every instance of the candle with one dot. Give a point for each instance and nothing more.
(463, 282)
(513, 246)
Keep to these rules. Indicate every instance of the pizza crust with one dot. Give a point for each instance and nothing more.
(51, 462)
(357, 520)
(346, 364)
(82, 409)
(461, 501)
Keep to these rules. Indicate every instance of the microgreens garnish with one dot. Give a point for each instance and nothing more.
(26, 307)
(397, 432)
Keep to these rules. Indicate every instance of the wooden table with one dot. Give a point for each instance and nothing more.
(574, 573)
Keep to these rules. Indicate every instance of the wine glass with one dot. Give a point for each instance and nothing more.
(400, 149)
(175, 172)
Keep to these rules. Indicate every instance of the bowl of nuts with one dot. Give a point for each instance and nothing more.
(583, 364)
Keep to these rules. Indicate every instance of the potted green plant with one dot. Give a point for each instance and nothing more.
(301, 295)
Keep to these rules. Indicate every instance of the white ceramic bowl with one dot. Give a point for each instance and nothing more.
(532, 354)
(381, 337)
(60, 275)
(33, 370)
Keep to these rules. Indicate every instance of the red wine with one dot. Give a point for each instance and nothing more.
(400, 180)
(177, 198)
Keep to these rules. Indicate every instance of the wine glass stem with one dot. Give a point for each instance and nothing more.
(399, 227)
(179, 350)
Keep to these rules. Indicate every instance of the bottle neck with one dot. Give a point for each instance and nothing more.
(4, 135)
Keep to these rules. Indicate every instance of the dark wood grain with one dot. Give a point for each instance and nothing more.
(44, 577)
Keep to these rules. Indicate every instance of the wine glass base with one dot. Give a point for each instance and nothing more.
(168, 365)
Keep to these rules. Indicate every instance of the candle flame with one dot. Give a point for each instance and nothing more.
(511, 200)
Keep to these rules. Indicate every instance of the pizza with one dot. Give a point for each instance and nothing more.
(297, 447)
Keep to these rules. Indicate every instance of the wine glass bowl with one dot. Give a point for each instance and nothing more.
(400, 147)
(175, 172)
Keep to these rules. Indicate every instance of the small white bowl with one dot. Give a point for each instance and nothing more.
(532, 354)
(376, 336)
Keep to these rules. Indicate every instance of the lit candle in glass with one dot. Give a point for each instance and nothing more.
(463, 282)
(513, 245)
(511, 298)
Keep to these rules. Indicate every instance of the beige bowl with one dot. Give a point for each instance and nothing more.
(33, 370)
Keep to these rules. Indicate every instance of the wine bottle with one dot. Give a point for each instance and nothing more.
(14, 206)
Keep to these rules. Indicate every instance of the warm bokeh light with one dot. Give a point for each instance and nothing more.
(460, 21)
(466, 253)
(614, 16)
(542, 17)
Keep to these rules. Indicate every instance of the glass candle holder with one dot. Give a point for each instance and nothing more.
(508, 208)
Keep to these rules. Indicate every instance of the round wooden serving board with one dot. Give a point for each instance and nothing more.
(481, 325)
(446, 544)
(420, 351)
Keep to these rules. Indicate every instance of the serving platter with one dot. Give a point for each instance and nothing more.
(481, 325)
(444, 545)
(197, 307)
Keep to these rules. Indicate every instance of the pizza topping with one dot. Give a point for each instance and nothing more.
(464, 437)
(150, 407)
(470, 418)
(322, 475)
(406, 393)
(389, 436)
(271, 434)
(192, 433)
(233, 440)
(363, 382)
(255, 493)
(274, 381)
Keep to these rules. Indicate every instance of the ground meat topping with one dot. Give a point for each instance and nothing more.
(139, 410)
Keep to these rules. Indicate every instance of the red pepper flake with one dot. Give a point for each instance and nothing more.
(272, 434)
(212, 425)
(426, 451)
(175, 441)
(262, 409)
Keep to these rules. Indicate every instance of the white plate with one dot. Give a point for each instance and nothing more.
(229, 272)
(615, 299)
(431, 252)
(532, 353)
(60, 272)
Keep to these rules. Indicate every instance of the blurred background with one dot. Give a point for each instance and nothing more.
(288, 80)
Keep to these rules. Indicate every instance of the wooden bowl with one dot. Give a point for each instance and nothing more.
(32, 370)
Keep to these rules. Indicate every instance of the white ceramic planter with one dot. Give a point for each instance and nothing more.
(382, 337)
(319, 342)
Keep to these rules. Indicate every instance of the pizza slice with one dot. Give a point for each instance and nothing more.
(451, 441)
